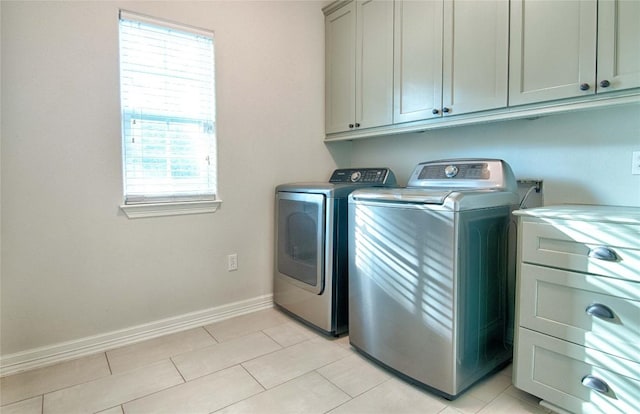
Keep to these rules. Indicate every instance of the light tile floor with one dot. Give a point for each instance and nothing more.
(263, 362)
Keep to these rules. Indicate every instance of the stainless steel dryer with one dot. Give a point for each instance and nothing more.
(311, 262)
(430, 288)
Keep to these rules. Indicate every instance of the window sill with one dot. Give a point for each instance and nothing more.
(134, 211)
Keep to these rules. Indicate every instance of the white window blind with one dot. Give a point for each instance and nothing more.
(167, 89)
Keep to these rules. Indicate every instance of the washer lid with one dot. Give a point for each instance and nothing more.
(403, 195)
(453, 200)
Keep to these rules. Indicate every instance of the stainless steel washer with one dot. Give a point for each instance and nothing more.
(311, 263)
(430, 281)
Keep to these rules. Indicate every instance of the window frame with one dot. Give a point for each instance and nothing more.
(173, 204)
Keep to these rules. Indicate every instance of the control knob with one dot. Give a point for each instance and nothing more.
(355, 176)
(451, 171)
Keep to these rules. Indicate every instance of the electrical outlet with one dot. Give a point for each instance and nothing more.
(635, 163)
(232, 262)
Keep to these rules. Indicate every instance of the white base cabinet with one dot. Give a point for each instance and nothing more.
(578, 307)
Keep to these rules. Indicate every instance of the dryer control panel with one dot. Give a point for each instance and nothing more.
(365, 176)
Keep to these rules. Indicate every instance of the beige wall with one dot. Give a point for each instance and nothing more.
(72, 264)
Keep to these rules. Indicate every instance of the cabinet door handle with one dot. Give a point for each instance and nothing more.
(357, 125)
(350, 125)
(446, 110)
(605, 83)
(435, 112)
(600, 310)
(603, 253)
(584, 86)
(595, 384)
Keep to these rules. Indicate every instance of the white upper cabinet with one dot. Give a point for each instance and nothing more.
(374, 63)
(553, 50)
(618, 45)
(395, 66)
(451, 57)
(340, 68)
(359, 65)
(476, 56)
(555, 45)
(417, 60)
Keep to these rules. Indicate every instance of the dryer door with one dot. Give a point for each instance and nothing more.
(300, 239)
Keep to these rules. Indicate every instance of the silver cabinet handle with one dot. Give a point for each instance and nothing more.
(595, 384)
(600, 310)
(603, 253)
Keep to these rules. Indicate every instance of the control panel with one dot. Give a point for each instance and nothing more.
(467, 173)
(370, 176)
(460, 171)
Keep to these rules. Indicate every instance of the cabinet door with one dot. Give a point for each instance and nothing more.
(374, 63)
(553, 50)
(340, 41)
(476, 55)
(618, 45)
(417, 60)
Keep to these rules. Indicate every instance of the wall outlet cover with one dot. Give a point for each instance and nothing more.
(635, 163)
(232, 262)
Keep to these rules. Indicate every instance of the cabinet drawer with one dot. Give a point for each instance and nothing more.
(575, 307)
(582, 246)
(556, 370)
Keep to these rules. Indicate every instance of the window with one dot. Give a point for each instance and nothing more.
(167, 92)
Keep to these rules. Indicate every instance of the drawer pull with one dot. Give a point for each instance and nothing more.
(599, 310)
(603, 253)
(595, 384)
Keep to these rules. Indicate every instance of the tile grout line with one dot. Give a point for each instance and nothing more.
(315, 370)
(529, 403)
(282, 347)
(254, 378)
(274, 339)
(108, 362)
(184, 380)
(227, 367)
(496, 396)
(210, 333)
(151, 362)
(54, 390)
(264, 389)
(121, 404)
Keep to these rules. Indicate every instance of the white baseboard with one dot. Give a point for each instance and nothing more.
(48, 355)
